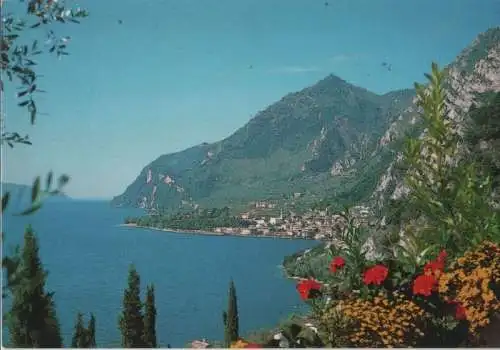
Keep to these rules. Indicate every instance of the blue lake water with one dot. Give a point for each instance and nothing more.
(88, 256)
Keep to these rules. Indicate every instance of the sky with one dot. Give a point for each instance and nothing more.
(150, 77)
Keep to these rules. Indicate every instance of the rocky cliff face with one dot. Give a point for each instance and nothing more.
(476, 70)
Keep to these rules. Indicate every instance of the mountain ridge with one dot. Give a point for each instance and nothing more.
(330, 137)
(301, 135)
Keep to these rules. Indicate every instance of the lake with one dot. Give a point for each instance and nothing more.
(88, 256)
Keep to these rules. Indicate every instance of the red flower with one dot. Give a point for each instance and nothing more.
(337, 263)
(424, 284)
(375, 275)
(253, 346)
(308, 288)
(460, 312)
(442, 256)
(434, 267)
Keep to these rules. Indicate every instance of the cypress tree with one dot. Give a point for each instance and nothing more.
(150, 318)
(91, 343)
(31, 321)
(131, 322)
(84, 337)
(78, 340)
(230, 317)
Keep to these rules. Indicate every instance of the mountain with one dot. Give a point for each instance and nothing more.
(473, 104)
(475, 71)
(298, 144)
(332, 141)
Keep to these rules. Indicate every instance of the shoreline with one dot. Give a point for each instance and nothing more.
(211, 233)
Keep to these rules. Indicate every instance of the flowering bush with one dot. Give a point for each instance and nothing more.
(309, 289)
(337, 263)
(375, 275)
(404, 298)
(383, 321)
(408, 315)
(243, 344)
(472, 284)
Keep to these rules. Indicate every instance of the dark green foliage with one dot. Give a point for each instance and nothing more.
(289, 147)
(131, 322)
(452, 198)
(31, 198)
(18, 58)
(91, 343)
(18, 62)
(150, 318)
(196, 220)
(230, 317)
(32, 320)
(461, 209)
(483, 133)
(78, 340)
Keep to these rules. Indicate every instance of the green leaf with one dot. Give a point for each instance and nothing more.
(31, 210)
(32, 112)
(63, 180)
(5, 200)
(22, 93)
(48, 181)
(35, 190)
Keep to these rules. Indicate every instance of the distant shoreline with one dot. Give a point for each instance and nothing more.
(211, 233)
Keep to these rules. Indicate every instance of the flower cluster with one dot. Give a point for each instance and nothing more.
(375, 275)
(337, 263)
(395, 321)
(243, 344)
(469, 290)
(426, 283)
(469, 285)
(308, 289)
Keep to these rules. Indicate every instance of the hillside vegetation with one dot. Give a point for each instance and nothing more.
(333, 142)
(324, 138)
(471, 82)
(435, 283)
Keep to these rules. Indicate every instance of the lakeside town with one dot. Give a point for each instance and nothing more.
(314, 224)
(261, 219)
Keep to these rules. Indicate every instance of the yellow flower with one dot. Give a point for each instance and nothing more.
(469, 283)
(239, 344)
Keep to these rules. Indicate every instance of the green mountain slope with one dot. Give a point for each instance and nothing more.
(475, 71)
(473, 87)
(301, 143)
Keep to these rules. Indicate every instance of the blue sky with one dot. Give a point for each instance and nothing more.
(177, 73)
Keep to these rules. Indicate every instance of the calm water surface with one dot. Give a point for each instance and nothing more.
(88, 257)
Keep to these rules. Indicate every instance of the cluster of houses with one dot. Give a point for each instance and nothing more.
(318, 225)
